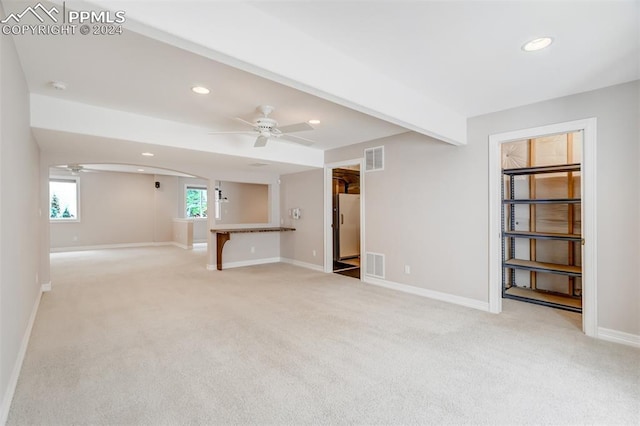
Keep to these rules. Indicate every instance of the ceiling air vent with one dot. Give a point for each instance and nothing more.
(374, 159)
(375, 265)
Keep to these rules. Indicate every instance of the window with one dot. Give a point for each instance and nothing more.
(63, 199)
(196, 201)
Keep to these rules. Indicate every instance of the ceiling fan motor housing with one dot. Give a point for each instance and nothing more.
(266, 124)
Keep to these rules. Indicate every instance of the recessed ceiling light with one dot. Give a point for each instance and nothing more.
(141, 170)
(148, 154)
(314, 121)
(200, 90)
(537, 44)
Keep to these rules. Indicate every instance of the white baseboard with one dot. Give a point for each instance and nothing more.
(15, 373)
(619, 337)
(45, 287)
(265, 261)
(251, 262)
(431, 294)
(182, 246)
(294, 262)
(109, 246)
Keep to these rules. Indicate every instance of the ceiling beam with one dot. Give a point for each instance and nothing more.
(78, 118)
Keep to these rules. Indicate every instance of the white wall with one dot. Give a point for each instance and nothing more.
(200, 230)
(183, 233)
(305, 191)
(166, 205)
(426, 209)
(238, 250)
(109, 155)
(116, 208)
(19, 218)
(247, 203)
(126, 208)
(617, 110)
(429, 207)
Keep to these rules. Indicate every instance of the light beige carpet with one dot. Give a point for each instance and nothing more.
(149, 337)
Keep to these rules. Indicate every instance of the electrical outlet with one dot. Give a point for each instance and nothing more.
(75, 238)
(314, 253)
(407, 269)
(253, 249)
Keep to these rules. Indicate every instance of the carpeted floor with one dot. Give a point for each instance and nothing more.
(149, 337)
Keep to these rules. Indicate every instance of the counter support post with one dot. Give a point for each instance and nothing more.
(221, 238)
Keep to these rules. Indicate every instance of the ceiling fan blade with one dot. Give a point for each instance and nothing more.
(261, 141)
(298, 140)
(245, 121)
(299, 127)
(232, 133)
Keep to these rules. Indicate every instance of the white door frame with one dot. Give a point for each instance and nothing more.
(328, 213)
(589, 225)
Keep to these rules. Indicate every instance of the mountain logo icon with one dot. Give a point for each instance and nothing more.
(38, 11)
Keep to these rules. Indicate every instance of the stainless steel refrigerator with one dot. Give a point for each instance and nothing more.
(348, 221)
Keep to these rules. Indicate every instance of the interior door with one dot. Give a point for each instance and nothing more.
(349, 225)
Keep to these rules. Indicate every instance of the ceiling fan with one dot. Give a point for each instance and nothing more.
(266, 128)
(75, 169)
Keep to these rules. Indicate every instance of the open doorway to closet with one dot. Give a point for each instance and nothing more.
(542, 220)
(345, 183)
(586, 257)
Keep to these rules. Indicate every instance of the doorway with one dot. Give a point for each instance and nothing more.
(344, 210)
(345, 188)
(542, 221)
(587, 220)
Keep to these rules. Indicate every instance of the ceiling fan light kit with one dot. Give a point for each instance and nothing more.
(265, 128)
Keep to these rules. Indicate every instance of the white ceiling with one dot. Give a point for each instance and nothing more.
(134, 73)
(467, 54)
(463, 56)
